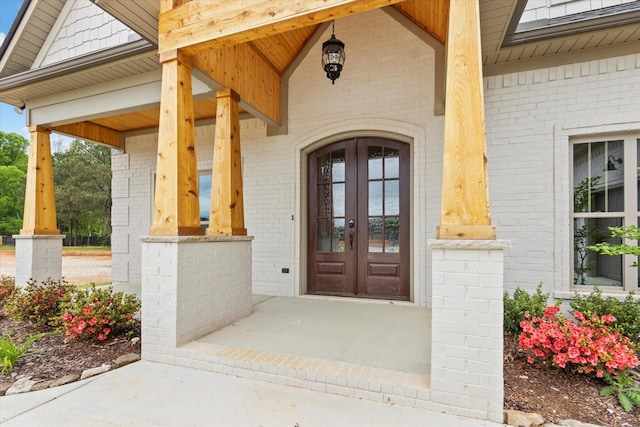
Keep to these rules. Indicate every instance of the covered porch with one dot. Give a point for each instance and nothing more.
(196, 284)
(375, 350)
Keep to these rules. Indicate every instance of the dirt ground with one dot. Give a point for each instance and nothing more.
(78, 267)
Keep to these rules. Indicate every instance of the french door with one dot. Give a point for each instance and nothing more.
(358, 217)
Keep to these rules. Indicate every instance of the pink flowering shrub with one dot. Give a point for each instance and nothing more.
(98, 314)
(588, 346)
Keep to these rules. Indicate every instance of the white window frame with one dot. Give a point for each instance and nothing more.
(630, 214)
(203, 223)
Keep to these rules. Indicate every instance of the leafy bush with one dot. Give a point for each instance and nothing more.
(10, 351)
(588, 346)
(629, 232)
(7, 288)
(521, 303)
(623, 386)
(98, 313)
(627, 312)
(38, 303)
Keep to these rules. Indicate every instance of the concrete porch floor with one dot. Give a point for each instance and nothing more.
(377, 350)
(375, 334)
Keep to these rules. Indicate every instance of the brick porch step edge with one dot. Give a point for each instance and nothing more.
(342, 378)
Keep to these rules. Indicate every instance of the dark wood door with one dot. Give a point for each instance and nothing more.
(358, 216)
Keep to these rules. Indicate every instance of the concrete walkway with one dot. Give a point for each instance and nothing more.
(152, 394)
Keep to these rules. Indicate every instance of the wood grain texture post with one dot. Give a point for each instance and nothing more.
(198, 26)
(227, 203)
(39, 200)
(176, 209)
(465, 211)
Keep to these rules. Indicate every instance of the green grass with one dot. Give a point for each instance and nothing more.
(86, 248)
(89, 285)
(69, 248)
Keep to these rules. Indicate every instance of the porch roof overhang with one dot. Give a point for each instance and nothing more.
(274, 52)
(276, 55)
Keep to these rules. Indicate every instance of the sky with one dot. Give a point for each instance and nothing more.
(10, 121)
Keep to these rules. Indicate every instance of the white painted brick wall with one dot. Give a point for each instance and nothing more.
(192, 286)
(38, 257)
(466, 327)
(132, 177)
(530, 118)
(87, 28)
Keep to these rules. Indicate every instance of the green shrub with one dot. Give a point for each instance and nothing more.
(98, 313)
(38, 303)
(7, 288)
(626, 312)
(522, 302)
(10, 351)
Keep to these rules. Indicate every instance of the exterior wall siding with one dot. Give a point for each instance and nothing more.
(86, 28)
(546, 9)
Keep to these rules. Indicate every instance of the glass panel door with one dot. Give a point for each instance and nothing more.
(359, 219)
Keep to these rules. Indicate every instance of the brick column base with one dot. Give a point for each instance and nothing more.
(191, 286)
(38, 257)
(467, 318)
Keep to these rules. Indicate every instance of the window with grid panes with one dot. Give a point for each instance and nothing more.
(605, 194)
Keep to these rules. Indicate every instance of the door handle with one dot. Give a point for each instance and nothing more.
(351, 240)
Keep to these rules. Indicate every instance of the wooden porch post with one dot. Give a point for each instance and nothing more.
(465, 212)
(227, 203)
(39, 201)
(176, 211)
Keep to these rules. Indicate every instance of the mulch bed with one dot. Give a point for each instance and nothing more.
(56, 358)
(558, 394)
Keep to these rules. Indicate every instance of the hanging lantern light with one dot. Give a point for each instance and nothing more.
(333, 56)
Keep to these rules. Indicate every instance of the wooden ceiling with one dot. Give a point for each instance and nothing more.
(430, 15)
(279, 50)
(203, 109)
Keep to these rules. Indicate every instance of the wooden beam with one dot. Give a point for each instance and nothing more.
(226, 217)
(91, 132)
(201, 25)
(170, 4)
(176, 210)
(465, 212)
(242, 68)
(39, 201)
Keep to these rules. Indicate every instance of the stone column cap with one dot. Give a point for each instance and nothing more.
(38, 236)
(193, 239)
(469, 244)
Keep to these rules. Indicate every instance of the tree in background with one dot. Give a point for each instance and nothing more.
(82, 178)
(13, 150)
(13, 168)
